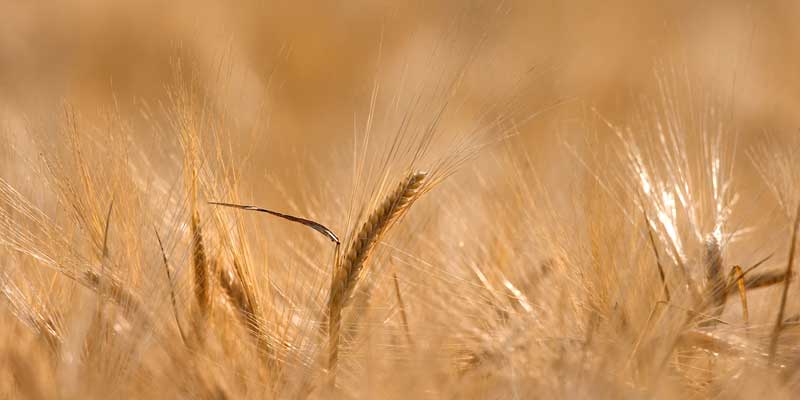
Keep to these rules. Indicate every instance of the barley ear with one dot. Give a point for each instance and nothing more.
(202, 287)
(716, 293)
(349, 269)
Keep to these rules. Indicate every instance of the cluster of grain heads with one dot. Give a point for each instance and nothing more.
(241, 294)
(349, 269)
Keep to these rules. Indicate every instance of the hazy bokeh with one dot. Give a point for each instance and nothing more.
(297, 75)
(313, 62)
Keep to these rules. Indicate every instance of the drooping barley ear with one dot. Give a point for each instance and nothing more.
(349, 270)
(776, 332)
(202, 287)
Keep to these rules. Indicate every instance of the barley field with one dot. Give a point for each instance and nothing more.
(399, 200)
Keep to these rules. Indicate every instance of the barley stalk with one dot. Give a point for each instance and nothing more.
(202, 288)
(350, 268)
(773, 344)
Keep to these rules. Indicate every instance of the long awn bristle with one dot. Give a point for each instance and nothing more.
(171, 283)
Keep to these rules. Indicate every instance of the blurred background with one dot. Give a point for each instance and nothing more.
(298, 76)
(313, 62)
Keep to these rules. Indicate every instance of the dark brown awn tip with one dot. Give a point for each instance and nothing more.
(307, 222)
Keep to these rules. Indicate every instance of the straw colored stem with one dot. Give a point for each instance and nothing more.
(773, 344)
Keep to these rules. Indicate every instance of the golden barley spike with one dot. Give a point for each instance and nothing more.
(350, 268)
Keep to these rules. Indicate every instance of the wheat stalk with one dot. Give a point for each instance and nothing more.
(350, 269)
